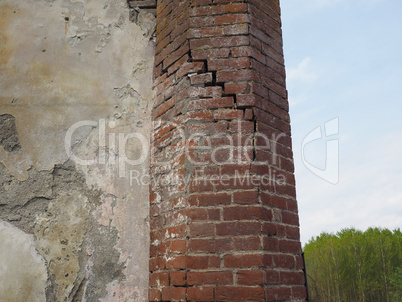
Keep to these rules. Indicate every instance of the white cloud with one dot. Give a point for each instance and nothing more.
(301, 73)
(368, 194)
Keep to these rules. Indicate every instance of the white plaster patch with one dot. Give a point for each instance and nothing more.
(23, 274)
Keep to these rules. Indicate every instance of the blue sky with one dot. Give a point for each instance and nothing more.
(344, 64)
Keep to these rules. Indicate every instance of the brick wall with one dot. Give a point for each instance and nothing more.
(224, 221)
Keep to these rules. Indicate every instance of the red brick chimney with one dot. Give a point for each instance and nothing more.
(224, 221)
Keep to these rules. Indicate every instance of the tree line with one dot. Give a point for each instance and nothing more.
(355, 266)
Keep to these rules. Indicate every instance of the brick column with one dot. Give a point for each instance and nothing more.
(224, 221)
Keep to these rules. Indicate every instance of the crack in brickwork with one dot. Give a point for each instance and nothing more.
(223, 226)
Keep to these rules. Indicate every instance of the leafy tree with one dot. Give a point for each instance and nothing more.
(396, 283)
(355, 266)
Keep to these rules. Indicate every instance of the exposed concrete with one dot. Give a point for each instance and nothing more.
(61, 63)
(20, 200)
(8, 135)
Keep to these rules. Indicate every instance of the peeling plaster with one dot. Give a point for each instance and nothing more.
(63, 62)
(48, 85)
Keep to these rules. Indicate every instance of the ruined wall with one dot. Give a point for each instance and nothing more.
(224, 222)
(75, 99)
(78, 219)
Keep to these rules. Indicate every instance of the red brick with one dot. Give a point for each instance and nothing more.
(157, 223)
(179, 34)
(207, 10)
(201, 21)
(273, 201)
(200, 294)
(244, 182)
(158, 250)
(292, 233)
(235, 88)
(250, 277)
(174, 294)
(246, 197)
(190, 68)
(154, 294)
(173, 57)
(203, 262)
(210, 245)
(211, 103)
(284, 261)
(196, 214)
(247, 244)
(239, 294)
(201, 78)
(299, 262)
(241, 41)
(162, 55)
(158, 279)
(236, 8)
(231, 19)
(157, 71)
(285, 189)
(210, 277)
(232, 63)
(178, 231)
(214, 214)
(288, 246)
(290, 218)
(158, 263)
(252, 260)
(172, 69)
(270, 244)
(154, 211)
(271, 277)
(210, 53)
(299, 292)
(270, 120)
(162, 108)
(233, 29)
(167, 82)
(199, 92)
(201, 185)
(262, 92)
(235, 75)
(228, 114)
(241, 127)
(178, 278)
(178, 246)
(234, 169)
(268, 260)
(233, 140)
(205, 200)
(219, 42)
(202, 229)
(176, 262)
(288, 278)
(238, 228)
(292, 204)
(278, 293)
(246, 213)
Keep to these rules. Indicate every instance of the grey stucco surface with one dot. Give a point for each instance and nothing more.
(75, 100)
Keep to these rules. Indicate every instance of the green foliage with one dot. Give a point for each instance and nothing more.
(355, 266)
(396, 282)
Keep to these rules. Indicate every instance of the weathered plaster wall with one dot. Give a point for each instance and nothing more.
(73, 230)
